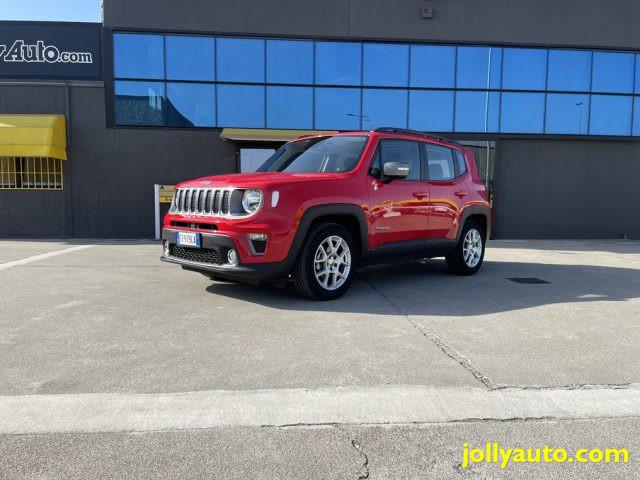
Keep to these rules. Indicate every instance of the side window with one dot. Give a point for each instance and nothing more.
(462, 164)
(403, 151)
(440, 163)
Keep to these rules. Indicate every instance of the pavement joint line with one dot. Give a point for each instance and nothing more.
(375, 405)
(42, 256)
(447, 349)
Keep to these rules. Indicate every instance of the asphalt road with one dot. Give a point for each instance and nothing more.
(115, 365)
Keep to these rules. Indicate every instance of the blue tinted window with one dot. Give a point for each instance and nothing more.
(636, 116)
(240, 60)
(431, 110)
(384, 108)
(569, 70)
(290, 107)
(610, 115)
(432, 66)
(474, 64)
(190, 58)
(139, 103)
(241, 106)
(524, 69)
(338, 63)
(337, 108)
(477, 112)
(191, 105)
(612, 72)
(637, 73)
(138, 56)
(567, 113)
(386, 65)
(289, 61)
(522, 113)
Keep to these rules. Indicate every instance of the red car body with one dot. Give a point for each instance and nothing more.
(388, 219)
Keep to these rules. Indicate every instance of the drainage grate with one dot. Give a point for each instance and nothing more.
(528, 280)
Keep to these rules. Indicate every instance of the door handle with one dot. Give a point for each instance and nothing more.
(461, 194)
(420, 194)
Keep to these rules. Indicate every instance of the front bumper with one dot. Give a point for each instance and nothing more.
(218, 242)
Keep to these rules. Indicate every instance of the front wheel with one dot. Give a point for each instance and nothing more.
(468, 255)
(325, 267)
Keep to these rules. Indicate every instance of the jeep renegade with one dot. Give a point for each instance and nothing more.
(323, 205)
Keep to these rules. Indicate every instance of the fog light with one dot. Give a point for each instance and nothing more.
(232, 257)
(165, 247)
(258, 242)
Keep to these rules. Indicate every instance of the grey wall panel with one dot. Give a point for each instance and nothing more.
(35, 214)
(28, 213)
(567, 189)
(286, 17)
(40, 99)
(114, 170)
(558, 22)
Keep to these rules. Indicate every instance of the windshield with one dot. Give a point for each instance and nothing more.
(317, 155)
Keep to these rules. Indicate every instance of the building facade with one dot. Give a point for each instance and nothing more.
(546, 93)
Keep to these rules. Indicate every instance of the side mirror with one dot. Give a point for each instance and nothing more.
(391, 170)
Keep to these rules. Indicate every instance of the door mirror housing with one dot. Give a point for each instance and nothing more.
(391, 170)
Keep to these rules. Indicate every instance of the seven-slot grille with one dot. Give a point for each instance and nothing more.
(202, 201)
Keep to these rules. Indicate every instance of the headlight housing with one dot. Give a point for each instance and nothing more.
(251, 201)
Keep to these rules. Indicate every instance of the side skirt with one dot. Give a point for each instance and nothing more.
(409, 250)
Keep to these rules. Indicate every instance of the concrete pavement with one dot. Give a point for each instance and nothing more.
(111, 322)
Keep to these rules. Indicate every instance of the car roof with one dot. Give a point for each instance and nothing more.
(390, 132)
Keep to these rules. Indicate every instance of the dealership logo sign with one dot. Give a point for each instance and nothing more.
(39, 52)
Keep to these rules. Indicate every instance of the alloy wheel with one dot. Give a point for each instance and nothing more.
(472, 248)
(332, 262)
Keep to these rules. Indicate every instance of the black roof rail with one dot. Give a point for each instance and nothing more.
(414, 132)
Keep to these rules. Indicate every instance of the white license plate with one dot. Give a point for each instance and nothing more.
(188, 239)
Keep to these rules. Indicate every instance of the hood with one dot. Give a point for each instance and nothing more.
(257, 180)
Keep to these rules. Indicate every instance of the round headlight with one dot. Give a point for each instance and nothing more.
(251, 200)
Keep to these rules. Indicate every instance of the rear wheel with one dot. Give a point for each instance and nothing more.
(325, 267)
(468, 255)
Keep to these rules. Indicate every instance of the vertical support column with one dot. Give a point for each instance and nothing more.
(156, 210)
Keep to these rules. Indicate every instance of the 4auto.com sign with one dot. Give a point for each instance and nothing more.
(40, 52)
(64, 51)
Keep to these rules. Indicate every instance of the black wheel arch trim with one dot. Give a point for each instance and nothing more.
(483, 210)
(330, 210)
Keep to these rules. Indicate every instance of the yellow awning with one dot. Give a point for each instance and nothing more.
(266, 135)
(33, 136)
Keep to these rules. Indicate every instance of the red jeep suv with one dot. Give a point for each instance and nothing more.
(324, 205)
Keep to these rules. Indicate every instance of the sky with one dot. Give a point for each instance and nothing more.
(51, 10)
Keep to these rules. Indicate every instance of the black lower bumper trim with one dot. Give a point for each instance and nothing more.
(250, 273)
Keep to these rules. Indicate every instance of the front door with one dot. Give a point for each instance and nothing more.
(447, 188)
(399, 208)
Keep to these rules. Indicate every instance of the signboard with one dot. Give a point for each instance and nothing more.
(165, 193)
(65, 51)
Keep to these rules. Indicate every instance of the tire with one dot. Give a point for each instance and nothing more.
(325, 238)
(472, 236)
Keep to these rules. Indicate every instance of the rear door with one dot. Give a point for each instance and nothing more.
(447, 188)
(399, 208)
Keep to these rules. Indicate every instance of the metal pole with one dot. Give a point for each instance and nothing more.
(156, 209)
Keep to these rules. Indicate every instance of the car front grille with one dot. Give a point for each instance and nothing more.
(202, 201)
(198, 255)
